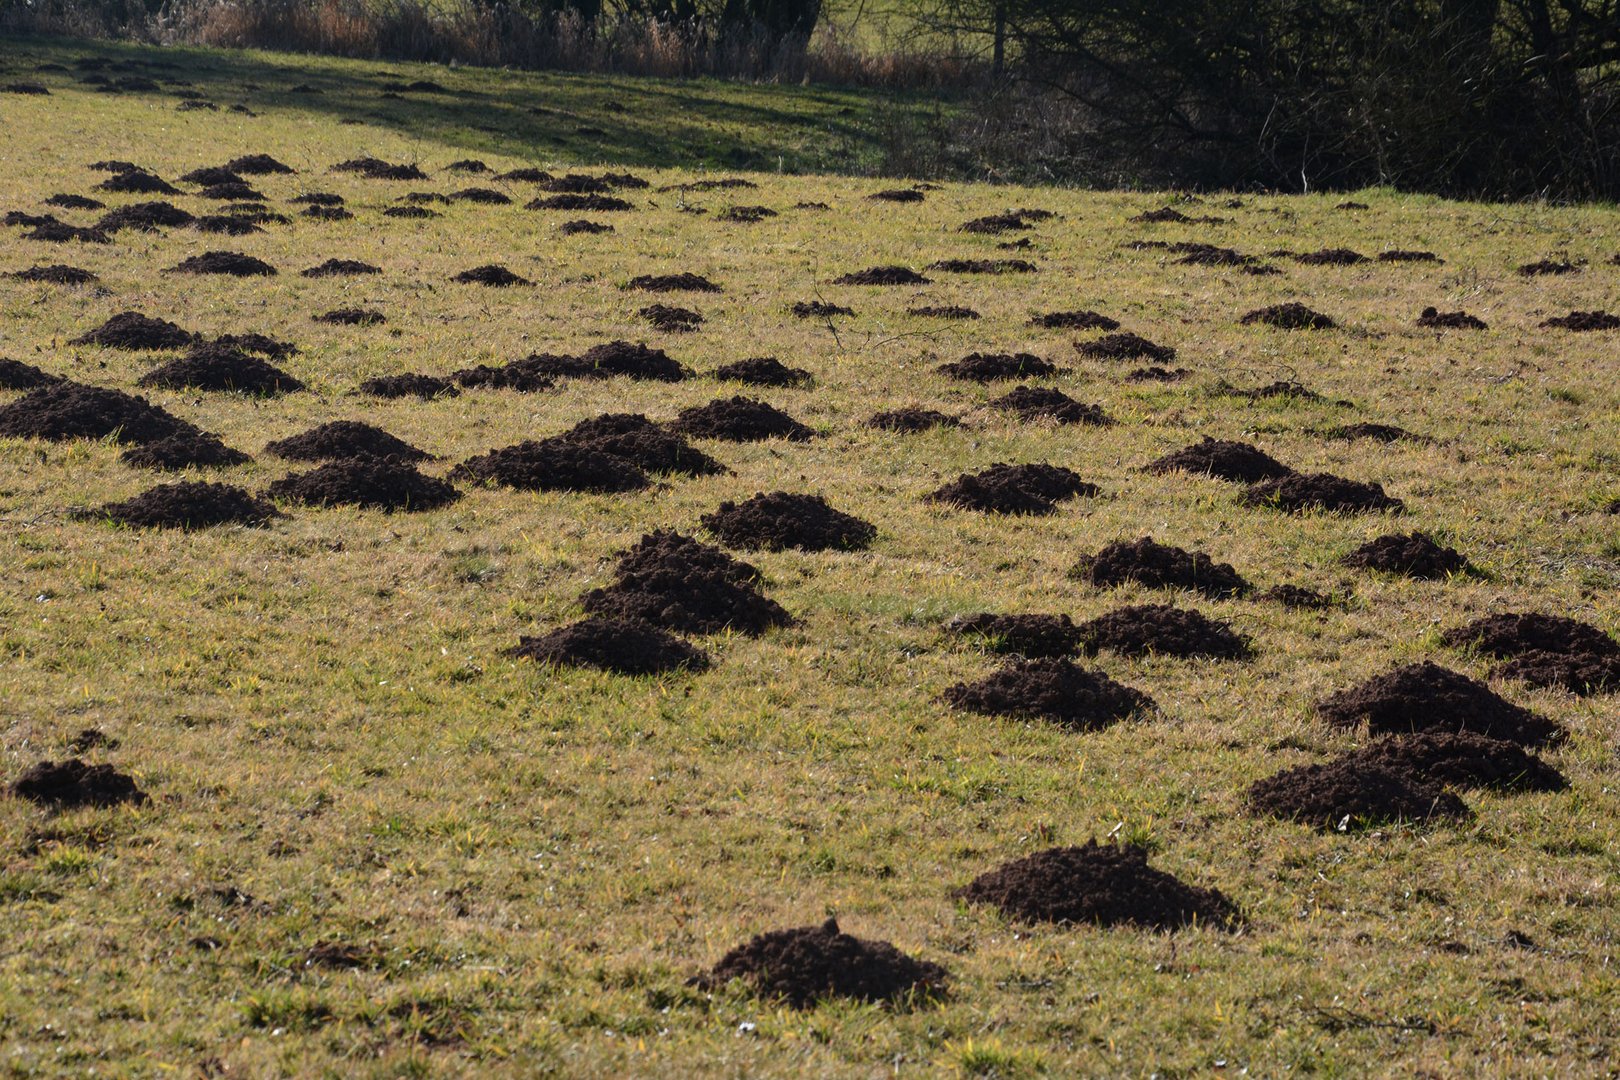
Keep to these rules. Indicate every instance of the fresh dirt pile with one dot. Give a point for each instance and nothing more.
(1544, 651)
(1296, 597)
(1462, 759)
(984, 266)
(55, 232)
(340, 268)
(468, 165)
(1100, 884)
(883, 275)
(1414, 555)
(1548, 266)
(615, 358)
(481, 195)
(232, 263)
(230, 191)
(1288, 317)
(583, 227)
(1125, 346)
(68, 410)
(553, 465)
(990, 367)
(1584, 320)
(819, 309)
(1051, 689)
(1041, 403)
(911, 420)
(376, 169)
(996, 224)
(350, 316)
(1399, 256)
(75, 202)
(16, 218)
(1384, 433)
(1162, 630)
(898, 195)
(530, 375)
(492, 274)
(1300, 492)
(210, 175)
(783, 520)
(725, 183)
(739, 419)
(1427, 697)
(950, 311)
(1074, 320)
(587, 203)
(200, 450)
(1030, 636)
(670, 319)
(1346, 794)
(1223, 459)
(145, 217)
(763, 371)
(55, 274)
(226, 225)
(746, 215)
(813, 963)
(575, 183)
(1159, 566)
(345, 439)
(642, 443)
(1331, 257)
(74, 783)
(1157, 374)
(682, 282)
(16, 375)
(679, 584)
(1210, 255)
(1013, 489)
(132, 330)
(213, 366)
(622, 646)
(189, 506)
(409, 385)
(366, 482)
(138, 182)
(337, 213)
(258, 165)
(1164, 215)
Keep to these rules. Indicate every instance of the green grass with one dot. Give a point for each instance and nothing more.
(541, 859)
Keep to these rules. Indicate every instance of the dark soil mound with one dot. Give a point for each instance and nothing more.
(1548, 266)
(221, 367)
(1043, 403)
(230, 191)
(1461, 759)
(588, 203)
(1157, 374)
(1162, 630)
(739, 419)
(16, 375)
(1299, 492)
(337, 213)
(995, 224)
(820, 309)
(883, 275)
(1101, 884)
(575, 183)
(1025, 635)
(224, 262)
(139, 183)
(367, 482)
(1414, 555)
(188, 506)
(898, 195)
(1289, 317)
(491, 274)
(615, 358)
(226, 225)
(75, 202)
(553, 465)
(1384, 433)
(1051, 689)
(722, 184)
(1579, 673)
(642, 443)
(1074, 320)
(1331, 257)
(1223, 459)
(1296, 597)
(468, 165)
(375, 169)
(526, 175)
(1210, 255)
(262, 344)
(984, 266)
(132, 330)
(73, 783)
(1124, 347)
(1163, 215)
(56, 274)
(530, 375)
(746, 215)
(1545, 650)
(679, 584)
(947, 312)
(481, 195)
(763, 371)
(345, 439)
(1347, 794)
(1399, 256)
(68, 410)
(29, 88)
(1449, 320)
(22, 218)
(783, 520)
(340, 268)
(1159, 566)
(178, 452)
(1427, 697)
(673, 283)
(318, 198)
(623, 646)
(812, 963)
(911, 420)
(1584, 320)
(591, 228)
(989, 367)
(670, 319)
(212, 174)
(1282, 388)
(351, 316)
(409, 213)
(1013, 489)
(257, 165)
(145, 217)
(409, 385)
(55, 232)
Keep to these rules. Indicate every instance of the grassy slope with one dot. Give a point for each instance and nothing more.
(323, 715)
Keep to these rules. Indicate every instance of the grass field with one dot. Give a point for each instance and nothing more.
(536, 860)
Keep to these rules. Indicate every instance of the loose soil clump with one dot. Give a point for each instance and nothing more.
(1384, 433)
(1414, 555)
(492, 274)
(132, 330)
(22, 218)
(588, 203)
(1282, 388)
(1030, 636)
(210, 175)
(1548, 266)
(671, 320)
(1584, 321)
(75, 202)
(233, 263)
(1157, 374)
(334, 213)
(376, 169)
(984, 266)
(221, 367)
(589, 228)
(740, 419)
(808, 964)
(468, 165)
(1398, 256)
(226, 225)
(231, 191)
(340, 268)
(1461, 759)
(258, 165)
(782, 520)
(1223, 459)
(952, 312)
(1162, 630)
(145, 217)
(622, 646)
(883, 275)
(897, 195)
(1296, 597)
(481, 195)
(1301, 492)
(995, 224)
(1074, 320)
(820, 309)
(1290, 316)
(73, 783)
(1349, 795)
(1125, 346)
(409, 213)
(1052, 689)
(1331, 257)
(189, 506)
(68, 410)
(1044, 403)
(16, 375)
(411, 384)
(746, 215)
(991, 367)
(683, 282)
(351, 316)
(912, 420)
(1160, 566)
(371, 483)
(1428, 697)
(138, 182)
(56, 274)
(1013, 489)
(178, 452)
(345, 439)
(1099, 884)
(553, 465)
(763, 371)
(1544, 650)
(1210, 255)
(642, 443)
(615, 359)
(55, 232)
(679, 584)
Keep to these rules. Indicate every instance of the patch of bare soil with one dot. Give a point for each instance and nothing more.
(340, 268)
(583, 227)
(1584, 320)
(350, 316)
(682, 282)
(1331, 257)
(984, 266)
(1289, 316)
(1461, 759)
(145, 217)
(232, 263)
(587, 203)
(16, 375)
(1548, 267)
(492, 274)
(670, 319)
(1074, 320)
(1449, 320)
(952, 312)
(74, 783)
(1399, 256)
(376, 169)
(1384, 433)
(819, 309)
(1296, 597)
(1544, 650)
(55, 232)
(745, 215)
